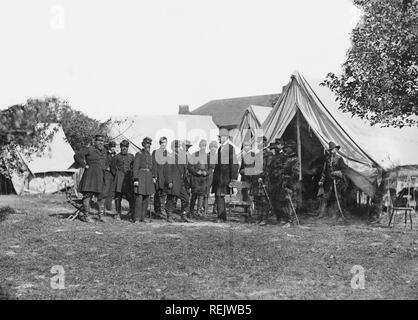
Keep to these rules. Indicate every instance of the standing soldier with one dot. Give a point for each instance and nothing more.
(333, 180)
(143, 180)
(260, 181)
(212, 160)
(276, 176)
(159, 159)
(94, 161)
(121, 168)
(247, 171)
(284, 178)
(226, 171)
(175, 177)
(108, 192)
(199, 170)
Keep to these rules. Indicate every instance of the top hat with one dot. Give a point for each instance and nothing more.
(332, 145)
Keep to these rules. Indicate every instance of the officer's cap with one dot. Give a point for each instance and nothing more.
(99, 137)
(124, 143)
(147, 140)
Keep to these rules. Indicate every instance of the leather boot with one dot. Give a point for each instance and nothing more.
(86, 205)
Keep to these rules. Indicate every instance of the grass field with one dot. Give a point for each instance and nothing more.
(200, 260)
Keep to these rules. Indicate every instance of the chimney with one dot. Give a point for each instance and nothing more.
(184, 109)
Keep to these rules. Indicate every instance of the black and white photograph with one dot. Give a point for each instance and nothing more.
(209, 155)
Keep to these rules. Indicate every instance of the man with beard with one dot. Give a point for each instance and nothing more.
(199, 170)
(121, 168)
(226, 171)
(159, 159)
(333, 181)
(94, 161)
(175, 179)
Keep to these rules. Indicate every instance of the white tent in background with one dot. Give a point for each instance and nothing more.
(181, 127)
(252, 120)
(48, 170)
(313, 111)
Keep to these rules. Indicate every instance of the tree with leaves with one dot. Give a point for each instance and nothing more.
(26, 128)
(379, 80)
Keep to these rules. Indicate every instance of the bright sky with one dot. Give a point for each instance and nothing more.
(147, 57)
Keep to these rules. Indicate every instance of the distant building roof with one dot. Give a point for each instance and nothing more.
(228, 112)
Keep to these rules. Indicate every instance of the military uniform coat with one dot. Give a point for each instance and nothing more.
(93, 176)
(121, 168)
(199, 182)
(159, 160)
(142, 172)
(334, 164)
(225, 170)
(175, 172)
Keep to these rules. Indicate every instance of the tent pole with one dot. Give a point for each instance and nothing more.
(299, 154)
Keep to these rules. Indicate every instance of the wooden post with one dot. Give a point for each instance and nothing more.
(299, 154)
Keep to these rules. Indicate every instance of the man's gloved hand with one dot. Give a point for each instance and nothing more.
(170, 185)
(154, 180)
(320, 183)
(136, 183)
(260, 180)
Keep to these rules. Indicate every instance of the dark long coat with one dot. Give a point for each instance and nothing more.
(225, 170)
(121, 168)
(159, 160)
(109, 178)
(199, 182)
(175, 172)
(93, 176)
(142, 172)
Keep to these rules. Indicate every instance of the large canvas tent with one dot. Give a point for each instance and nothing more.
(251, 121)
(182, 127)
(313, 117)
(47, 171)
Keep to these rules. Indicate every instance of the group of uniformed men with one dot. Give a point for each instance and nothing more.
(269, 177)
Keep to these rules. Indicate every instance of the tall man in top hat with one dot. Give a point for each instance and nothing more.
(226, 171)
(143, 180)
(333, 180)
(121, 168)
(159, 160)
(94, 161)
